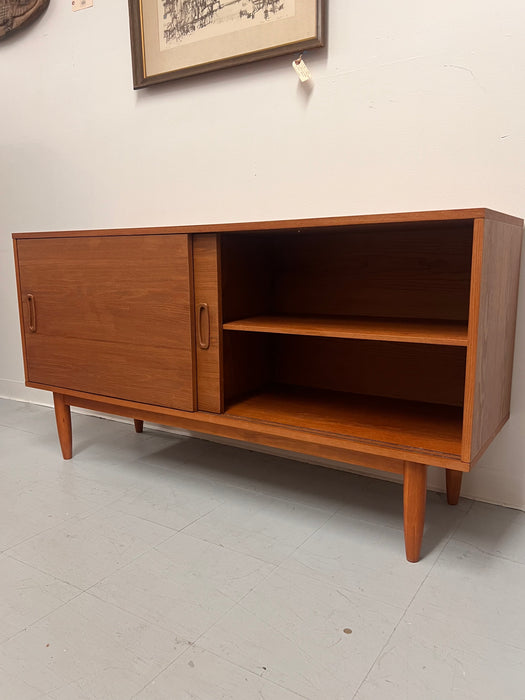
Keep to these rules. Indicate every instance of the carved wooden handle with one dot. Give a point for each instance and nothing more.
(203, 326)
(32, 313)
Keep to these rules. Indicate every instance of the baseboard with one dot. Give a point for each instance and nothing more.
(18, 391)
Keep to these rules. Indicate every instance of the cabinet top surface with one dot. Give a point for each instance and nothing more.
(423, 217)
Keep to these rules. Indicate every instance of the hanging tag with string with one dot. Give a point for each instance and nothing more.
(301, 69)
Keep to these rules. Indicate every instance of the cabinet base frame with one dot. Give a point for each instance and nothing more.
(376, 455)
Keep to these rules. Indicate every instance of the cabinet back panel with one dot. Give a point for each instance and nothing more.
(435, 374)
(247, 364)
(409, 274)
(247, 276)
(113, 316)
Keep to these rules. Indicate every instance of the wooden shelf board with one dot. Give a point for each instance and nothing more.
(430, 427)
(358, 327)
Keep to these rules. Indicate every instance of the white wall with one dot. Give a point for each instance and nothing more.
(415, 106)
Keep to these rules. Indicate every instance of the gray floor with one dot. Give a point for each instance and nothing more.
(155, 567)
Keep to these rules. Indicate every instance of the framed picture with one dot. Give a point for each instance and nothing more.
(177, 38)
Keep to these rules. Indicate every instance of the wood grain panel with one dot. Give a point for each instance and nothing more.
(144, 373)
(409, 273)
(206, 275)
(495, 282)
(247, 276)
(248, 364)
(435, 374)
(113, 316)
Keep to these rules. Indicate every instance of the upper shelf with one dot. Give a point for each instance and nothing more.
(424, 331)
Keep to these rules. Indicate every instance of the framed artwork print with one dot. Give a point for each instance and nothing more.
(177, 38)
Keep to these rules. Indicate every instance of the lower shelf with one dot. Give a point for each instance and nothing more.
(430, 427)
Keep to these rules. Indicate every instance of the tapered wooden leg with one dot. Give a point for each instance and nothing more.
(63, 419)
(453, 486)
(139, 425)
(414, 504)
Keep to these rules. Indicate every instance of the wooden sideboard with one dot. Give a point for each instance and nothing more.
(381, 341)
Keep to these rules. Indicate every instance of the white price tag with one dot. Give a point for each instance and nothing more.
(301, 69)
(77, 5)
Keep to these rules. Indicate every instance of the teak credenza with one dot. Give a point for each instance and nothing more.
(382, 341)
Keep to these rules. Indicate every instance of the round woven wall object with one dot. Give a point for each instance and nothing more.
(15, 14)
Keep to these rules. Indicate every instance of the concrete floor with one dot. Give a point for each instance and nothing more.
(163, 568)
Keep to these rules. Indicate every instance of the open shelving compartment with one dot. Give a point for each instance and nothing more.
(357, 331)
